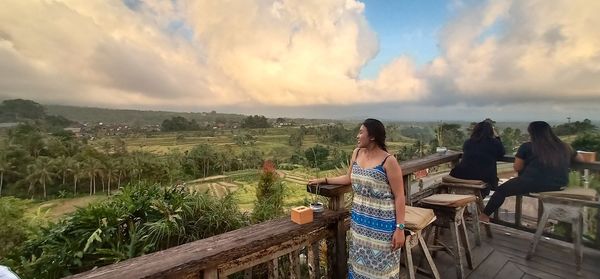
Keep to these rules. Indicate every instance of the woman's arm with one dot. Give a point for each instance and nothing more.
(338, 180)
(394, 174)
(519, 164)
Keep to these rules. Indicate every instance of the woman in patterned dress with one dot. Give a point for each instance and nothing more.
(377, 227)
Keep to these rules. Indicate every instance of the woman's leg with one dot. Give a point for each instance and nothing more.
(513, 187)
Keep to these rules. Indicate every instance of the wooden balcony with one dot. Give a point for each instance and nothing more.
(283, 249)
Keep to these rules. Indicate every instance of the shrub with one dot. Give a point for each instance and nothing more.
(15, 227)
(142, 219)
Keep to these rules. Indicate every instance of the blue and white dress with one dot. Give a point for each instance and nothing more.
(373, 225)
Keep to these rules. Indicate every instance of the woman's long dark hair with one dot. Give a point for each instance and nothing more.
(550, 150)
(376, 130)
(482, 130)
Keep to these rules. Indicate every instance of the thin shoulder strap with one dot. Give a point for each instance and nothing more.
(355, 157)
(385, 159)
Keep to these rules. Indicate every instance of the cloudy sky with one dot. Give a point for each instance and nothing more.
(401, 60)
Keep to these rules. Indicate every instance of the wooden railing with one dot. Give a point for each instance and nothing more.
(517, 221)
(264, 245)
(271, 244)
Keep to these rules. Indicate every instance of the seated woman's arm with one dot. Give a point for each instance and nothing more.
(519, 164)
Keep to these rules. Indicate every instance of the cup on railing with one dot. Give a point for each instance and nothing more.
(441, 150)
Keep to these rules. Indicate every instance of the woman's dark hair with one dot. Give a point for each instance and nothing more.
(482, 130)
(550, 150)
(376, 130)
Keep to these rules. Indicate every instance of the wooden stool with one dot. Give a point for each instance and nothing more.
(469, 187)
(449, 210)
(566, 206)
(416, 219)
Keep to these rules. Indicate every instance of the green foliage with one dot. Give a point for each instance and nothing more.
(15, 227)
(574, 128)
(269, 195)
(296, 138)
(424, 134)
(511, 139)
(587, 142)
(179, 123)
(448, 135)
(244, 139)
(407, 152)
(133, 117)
(19, 109)
(142, 219)
(336, 134)
(255, 121)
(316, 155)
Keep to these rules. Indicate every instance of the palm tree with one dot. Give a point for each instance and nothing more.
(110, 172)
(41, 171)
(92, 166)
(5, 166)
(77, 170)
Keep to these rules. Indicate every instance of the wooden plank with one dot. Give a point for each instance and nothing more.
(509, 270)
(193, 257)
(294, 258)
(211, 273)
(410, 166)
(490, 266)
(273, 252)
(327, 190)
(273, 268)
(313, 259)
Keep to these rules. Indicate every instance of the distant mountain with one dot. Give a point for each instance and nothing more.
(133, 117)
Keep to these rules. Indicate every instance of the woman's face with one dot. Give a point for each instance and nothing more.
(362, 138)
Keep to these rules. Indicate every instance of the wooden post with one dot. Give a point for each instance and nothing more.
(339, 266)
(313, 259)
(273, 267)
(211, 273)
(294, 264)
(406, 180)
(597, 228)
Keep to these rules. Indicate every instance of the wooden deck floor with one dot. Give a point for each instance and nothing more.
(503, 256)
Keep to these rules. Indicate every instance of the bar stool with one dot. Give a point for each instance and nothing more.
(449, 210)
(416, 219)
(567, 206)
(469, 187)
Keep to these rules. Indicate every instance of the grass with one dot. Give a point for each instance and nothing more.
(58, 207)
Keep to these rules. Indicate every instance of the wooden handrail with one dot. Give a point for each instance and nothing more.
(221, 255)
(189, 260)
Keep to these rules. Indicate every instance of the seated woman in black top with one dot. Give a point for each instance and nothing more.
(480, 153)
(542, 164)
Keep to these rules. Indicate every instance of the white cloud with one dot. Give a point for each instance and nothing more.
(207, 53)
(234, 53)
(512, 51)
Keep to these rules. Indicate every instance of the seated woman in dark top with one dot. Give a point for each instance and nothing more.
(543, 165)
(480, 153)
